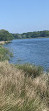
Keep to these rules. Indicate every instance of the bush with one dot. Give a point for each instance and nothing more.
(31, 70)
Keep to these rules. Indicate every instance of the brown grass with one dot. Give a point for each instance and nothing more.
(22, 93)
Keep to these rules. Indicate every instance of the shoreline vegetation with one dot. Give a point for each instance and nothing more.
(22, 87)
(6, 36)
(5, 54)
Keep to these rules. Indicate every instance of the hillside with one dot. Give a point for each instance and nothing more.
(20, 92)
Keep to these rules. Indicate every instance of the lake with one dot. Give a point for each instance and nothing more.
(33, 51)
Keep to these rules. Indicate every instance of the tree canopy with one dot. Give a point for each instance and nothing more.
(5, 35)
(32, 35)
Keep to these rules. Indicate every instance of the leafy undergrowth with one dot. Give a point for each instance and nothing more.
(20, 92)
(4, 53)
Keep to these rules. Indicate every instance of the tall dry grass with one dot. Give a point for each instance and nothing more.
(22, 93)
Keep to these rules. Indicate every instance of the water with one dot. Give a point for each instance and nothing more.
(34, 51)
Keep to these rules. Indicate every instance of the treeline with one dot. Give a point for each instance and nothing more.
(6, 36)
(32, 35)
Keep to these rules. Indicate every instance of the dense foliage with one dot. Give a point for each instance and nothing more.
(5, 35)
(32, 35)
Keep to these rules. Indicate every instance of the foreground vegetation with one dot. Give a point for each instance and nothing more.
(30, 70)
(4, 53)
(20, 92)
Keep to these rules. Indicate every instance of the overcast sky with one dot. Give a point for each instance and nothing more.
(18, 16)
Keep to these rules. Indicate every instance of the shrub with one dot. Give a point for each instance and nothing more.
(31, 70)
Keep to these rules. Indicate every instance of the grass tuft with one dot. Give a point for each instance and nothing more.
(4, 54)
(31, 70)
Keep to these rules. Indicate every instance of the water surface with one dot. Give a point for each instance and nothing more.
(34, 51)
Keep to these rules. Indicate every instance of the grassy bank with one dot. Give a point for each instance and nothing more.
(4, 53)
(20, 92)
(22, 87)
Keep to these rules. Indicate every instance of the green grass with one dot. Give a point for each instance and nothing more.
(31, 70)
(4, 53)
